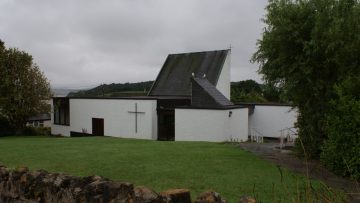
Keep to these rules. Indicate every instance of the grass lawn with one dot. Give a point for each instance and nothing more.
(199, 166)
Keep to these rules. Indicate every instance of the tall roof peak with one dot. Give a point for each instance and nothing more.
(175, 76)
(199, 52)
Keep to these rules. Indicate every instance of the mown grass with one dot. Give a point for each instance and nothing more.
(199, 166)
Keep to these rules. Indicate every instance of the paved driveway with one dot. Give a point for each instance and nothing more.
(284, 158)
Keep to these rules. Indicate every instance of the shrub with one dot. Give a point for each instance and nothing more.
(44, 131)
(5, 128)
(33, 131)
(341, 151)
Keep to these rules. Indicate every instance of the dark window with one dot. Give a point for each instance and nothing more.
(61, 111)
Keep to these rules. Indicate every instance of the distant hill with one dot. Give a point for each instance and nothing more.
(115, 90)
(63, 92)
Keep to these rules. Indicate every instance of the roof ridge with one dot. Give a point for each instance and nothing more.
(197, 52)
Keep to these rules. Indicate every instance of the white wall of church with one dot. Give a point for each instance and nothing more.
(269, 120)
(211, 125)
(62, 130)
(118, 122)
(223, 84)
(239, 120)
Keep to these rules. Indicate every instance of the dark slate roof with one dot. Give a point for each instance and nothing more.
(40, 117)
(174, 78)
(205, 94)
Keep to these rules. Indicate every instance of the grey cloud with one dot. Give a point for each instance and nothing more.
(83, 43)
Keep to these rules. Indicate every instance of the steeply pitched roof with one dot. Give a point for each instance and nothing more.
(40, 117)
(174, 78)
(204, 94)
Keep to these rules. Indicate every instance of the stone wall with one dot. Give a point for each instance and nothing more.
(24, 186)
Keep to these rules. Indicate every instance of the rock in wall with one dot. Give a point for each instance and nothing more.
(21, 185)
(24, 186)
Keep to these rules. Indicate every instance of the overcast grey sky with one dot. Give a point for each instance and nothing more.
(83, 43)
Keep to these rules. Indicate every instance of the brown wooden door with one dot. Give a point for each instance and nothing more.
(98, 127)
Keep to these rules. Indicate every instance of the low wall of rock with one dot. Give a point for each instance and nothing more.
(24, 186)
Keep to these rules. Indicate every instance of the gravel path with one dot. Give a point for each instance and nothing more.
(284, 158)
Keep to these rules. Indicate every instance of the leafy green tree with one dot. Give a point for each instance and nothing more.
(307, 48)
(24, 89)
(246, 91)
(251, 91)
(273, 94)
(247, 86)
(238, 95)
(341, 150)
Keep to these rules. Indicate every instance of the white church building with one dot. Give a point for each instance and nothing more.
(189, 101)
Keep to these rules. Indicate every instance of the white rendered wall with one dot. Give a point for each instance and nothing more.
(223, 84)
(118, 122)
(211, 125)
(238, 130)
(63, 130)
(47, 123)
(269, 120)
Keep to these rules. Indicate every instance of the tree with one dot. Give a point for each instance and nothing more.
(307, 48)
(341, 149)
(251, 91)
(24, 89)
(273, 94)
(246, 91)
(247, 86)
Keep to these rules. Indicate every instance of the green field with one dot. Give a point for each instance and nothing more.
(199, 166)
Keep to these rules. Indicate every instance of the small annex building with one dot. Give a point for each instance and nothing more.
(189, 101)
